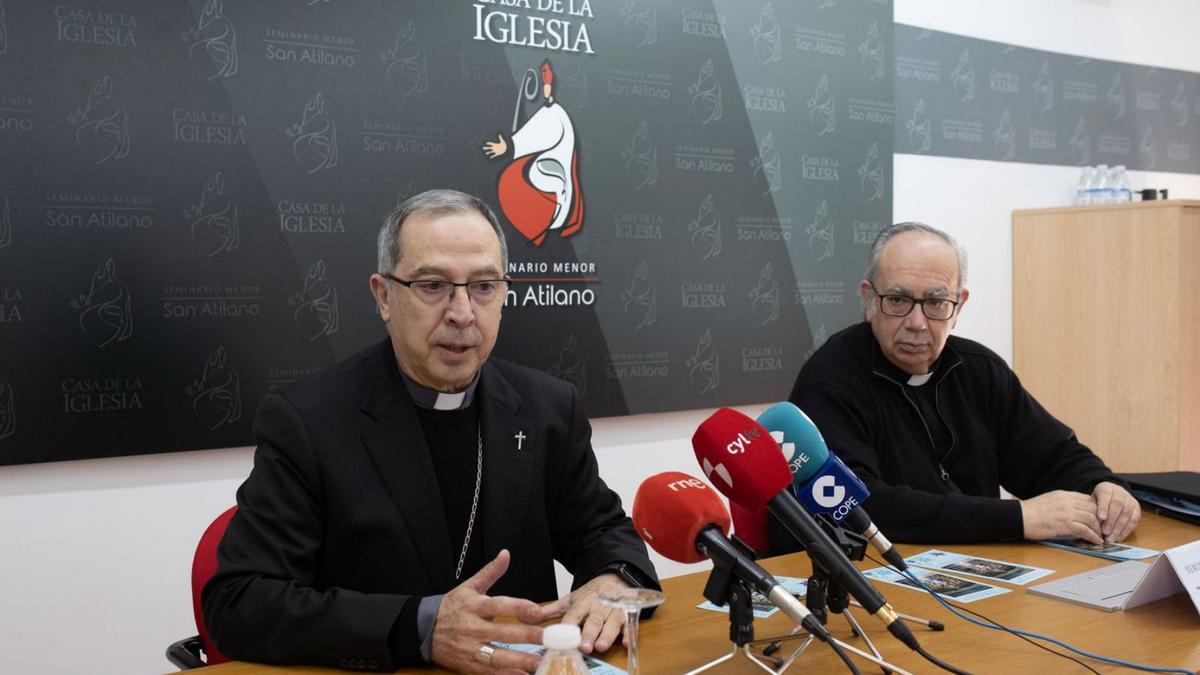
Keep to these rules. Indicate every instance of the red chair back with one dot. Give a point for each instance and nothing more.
(204, 565)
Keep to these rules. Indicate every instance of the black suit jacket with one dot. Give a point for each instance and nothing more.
(340, 526)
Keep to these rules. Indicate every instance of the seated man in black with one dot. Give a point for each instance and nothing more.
(936, 424)
(392, 492)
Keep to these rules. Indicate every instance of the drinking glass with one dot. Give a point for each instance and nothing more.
(632, 601)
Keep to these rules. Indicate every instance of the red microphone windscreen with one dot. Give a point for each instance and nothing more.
(671, 508)
(751, 527)
(741, 459)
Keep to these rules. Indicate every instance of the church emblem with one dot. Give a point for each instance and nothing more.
(539, 189)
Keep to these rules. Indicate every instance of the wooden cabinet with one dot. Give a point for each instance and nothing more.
(1106, 326)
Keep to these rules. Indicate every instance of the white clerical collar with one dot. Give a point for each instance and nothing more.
(432, 399)
(918, 380)
(449, 401)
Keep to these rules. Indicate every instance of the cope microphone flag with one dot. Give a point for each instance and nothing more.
(683, 519)
(742, 460)
(820, 480)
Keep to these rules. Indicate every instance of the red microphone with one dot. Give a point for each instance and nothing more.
(742, 460)
(750, 522)
(750, 527)
(684, 520)
(669, 511)
(734, 452)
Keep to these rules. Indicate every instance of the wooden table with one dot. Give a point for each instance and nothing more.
(1162, 633)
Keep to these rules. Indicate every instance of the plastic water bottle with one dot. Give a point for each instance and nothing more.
(1114, 193)
(1101, 190)
(562, 655)
(1083, 195)
(1124, 192)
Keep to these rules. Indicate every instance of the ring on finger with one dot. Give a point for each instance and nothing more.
(484, 654)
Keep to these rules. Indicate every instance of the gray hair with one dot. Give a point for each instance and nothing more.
(886, 234)
(439, 202)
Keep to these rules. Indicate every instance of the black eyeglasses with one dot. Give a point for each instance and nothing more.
(934, 309)
(482, 292)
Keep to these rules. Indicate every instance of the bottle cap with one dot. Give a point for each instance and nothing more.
(561, 636)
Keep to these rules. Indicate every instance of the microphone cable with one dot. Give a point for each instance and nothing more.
(995, 625)
(940, 663)
(845, 657)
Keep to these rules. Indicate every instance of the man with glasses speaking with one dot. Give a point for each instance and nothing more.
(406, 497)
(936, 424)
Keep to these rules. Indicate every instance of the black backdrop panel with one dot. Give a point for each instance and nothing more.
(965, 97)
(190, 195)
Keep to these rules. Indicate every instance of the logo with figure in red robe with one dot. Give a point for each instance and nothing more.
(539, 190)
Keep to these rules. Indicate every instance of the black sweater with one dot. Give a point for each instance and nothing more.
(999, 436)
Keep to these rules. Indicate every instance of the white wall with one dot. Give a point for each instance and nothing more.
(96, 554)
(974, 199)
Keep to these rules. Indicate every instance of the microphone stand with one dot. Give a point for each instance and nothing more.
(827, 594)
(723, 588)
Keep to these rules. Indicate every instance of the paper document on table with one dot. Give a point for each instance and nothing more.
(974, 565)
(1116, 552)
(960, 590)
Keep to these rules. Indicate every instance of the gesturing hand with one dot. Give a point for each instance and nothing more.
(464, 625)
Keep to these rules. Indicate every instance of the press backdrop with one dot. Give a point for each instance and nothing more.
(190, 194)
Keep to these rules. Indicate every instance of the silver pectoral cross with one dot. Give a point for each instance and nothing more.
(520, 437)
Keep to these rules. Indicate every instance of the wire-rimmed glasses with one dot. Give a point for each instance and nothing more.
(482, 292)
